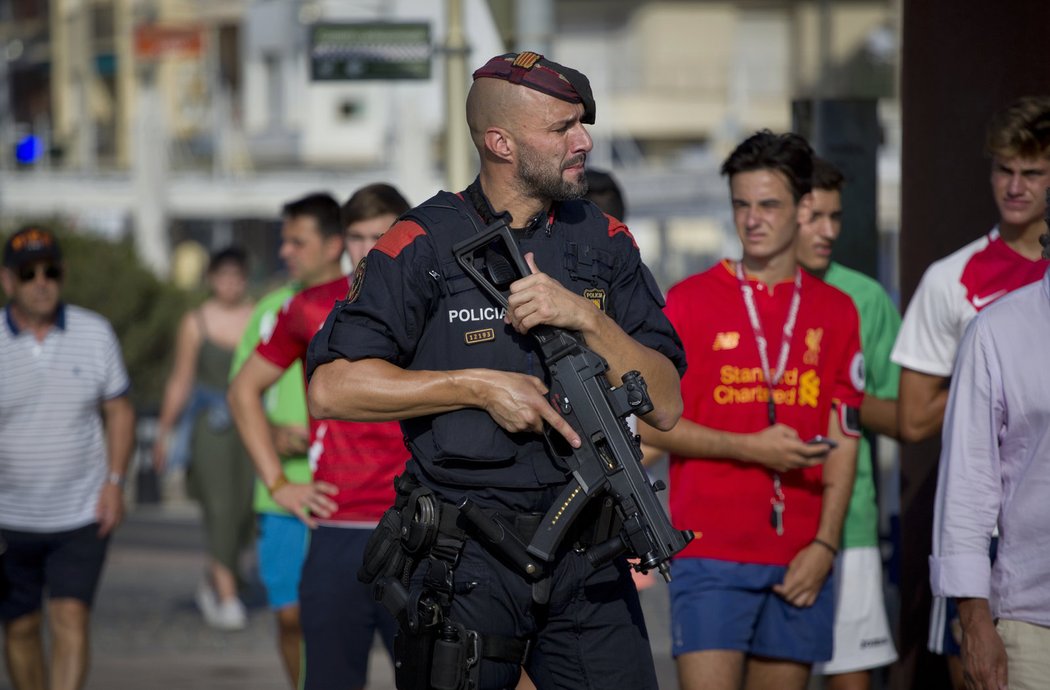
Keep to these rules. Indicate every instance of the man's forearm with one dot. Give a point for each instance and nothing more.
(373, 390)
(973, 611)
(691, 440)
(254, 429)
(880, 415)
(922, 400)
(119, 420)
(839, 472)
(623, 353)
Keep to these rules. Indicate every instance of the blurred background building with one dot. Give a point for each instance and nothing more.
(174, 120)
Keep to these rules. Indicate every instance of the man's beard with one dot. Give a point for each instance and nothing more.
(540, 181)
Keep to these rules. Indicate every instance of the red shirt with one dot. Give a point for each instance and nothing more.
(727, 502)
(360, 459)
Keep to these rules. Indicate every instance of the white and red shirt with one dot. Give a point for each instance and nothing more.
(360, 459)
(950, 294)
(727, 502)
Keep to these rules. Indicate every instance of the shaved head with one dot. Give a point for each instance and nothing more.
(493, 103)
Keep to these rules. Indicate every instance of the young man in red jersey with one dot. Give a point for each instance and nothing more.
(353, 465)
(763, 459)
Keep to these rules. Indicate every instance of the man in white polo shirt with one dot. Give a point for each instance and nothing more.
(66, 435)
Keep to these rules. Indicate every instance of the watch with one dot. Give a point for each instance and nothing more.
(116, 479)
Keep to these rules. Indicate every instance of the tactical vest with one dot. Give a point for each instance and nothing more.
(466, 330)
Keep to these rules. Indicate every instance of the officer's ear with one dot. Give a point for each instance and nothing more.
(498, 143)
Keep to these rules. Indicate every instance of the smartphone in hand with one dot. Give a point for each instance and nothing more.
(819, 438)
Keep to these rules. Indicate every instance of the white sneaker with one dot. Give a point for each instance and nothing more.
(207, 603)
(230, 615)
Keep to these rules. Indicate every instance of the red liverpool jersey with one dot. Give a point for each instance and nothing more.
(361, 459)
(727, 501)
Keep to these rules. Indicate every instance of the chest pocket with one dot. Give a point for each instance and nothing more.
(455, 280)
(591, 271)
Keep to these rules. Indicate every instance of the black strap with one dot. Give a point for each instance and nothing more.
(507, 649)
(444, 555)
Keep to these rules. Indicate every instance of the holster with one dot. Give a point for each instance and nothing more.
(383, 556)
(430, 650)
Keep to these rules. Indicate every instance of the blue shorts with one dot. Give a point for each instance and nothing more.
(339, 615)
(67, 565)
(281, 552)
(728, 605)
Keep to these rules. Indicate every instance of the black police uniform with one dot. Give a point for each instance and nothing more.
(415, 307)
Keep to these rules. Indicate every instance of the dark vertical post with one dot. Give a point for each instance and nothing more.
(845, 132)
(961, 61)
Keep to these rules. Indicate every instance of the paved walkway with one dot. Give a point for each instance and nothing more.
(147, 633)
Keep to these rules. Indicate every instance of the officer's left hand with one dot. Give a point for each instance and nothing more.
(539, 299)
(805, 576)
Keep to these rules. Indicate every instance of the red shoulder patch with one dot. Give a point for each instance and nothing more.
(616, 227)
(399, 236)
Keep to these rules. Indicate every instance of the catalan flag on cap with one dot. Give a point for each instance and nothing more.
(543, 75)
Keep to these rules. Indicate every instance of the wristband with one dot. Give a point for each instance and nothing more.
(277, 484)
(116, 479)
(829, 547)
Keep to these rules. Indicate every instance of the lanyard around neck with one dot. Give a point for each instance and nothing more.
(777, 502)
(772, 378)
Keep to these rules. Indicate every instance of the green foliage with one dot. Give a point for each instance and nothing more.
(109, 278)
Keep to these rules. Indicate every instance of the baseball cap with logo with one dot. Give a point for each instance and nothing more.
(31, 243)
(543, 75)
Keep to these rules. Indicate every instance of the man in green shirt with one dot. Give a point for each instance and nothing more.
(312, 258)
(862, 634)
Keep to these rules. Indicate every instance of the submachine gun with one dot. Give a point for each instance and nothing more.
(607, 465)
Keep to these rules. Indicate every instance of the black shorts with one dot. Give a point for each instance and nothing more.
(339, 615)
(67, 564)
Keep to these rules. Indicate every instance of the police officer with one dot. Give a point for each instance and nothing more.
(417, 340)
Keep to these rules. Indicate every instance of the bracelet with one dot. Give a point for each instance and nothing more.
(277, 484)
(116, 479)
(829, 547)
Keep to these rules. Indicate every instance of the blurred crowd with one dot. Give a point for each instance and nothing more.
(790, 364)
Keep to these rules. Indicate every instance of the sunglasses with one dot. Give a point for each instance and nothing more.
(28, 273)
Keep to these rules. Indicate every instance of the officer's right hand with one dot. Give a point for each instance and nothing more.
(780, 449)
(518, 402)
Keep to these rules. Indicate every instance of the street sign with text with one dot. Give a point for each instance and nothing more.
(370, 50)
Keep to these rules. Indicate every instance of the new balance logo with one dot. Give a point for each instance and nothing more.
(726, 341)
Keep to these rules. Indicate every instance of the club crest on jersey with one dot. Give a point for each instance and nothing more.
(359, 279)
(729, 340)
(483, 335)
(813, 338)
(596, 295)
